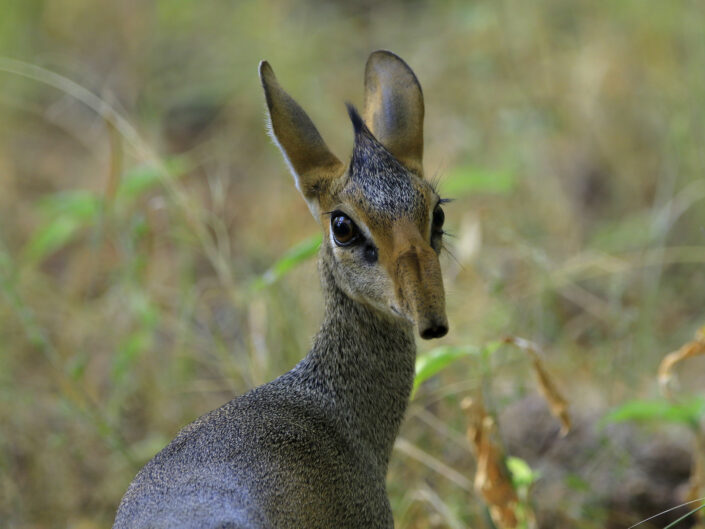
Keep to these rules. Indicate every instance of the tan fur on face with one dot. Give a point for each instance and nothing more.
(417, 278)
(406, 281)
(382, 190)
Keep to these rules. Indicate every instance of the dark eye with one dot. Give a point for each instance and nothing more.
(344, 230)
(438, 218)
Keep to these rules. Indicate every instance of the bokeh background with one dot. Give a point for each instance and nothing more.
(142, 204)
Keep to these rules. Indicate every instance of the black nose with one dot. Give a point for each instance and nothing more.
(434, 331)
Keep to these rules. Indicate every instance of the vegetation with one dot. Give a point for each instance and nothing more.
(155, 259)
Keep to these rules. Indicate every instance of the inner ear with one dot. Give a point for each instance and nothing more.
(394, 108)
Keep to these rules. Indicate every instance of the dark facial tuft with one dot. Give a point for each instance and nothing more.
(358, 123)
(378, 181)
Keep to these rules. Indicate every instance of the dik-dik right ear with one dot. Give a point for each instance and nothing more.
(394, 108)
(308, 157)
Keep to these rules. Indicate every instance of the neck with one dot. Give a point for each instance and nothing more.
(362, 365)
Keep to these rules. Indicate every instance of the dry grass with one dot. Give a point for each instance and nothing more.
(141, 199)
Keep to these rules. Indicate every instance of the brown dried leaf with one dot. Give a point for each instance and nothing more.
(492, 479)
(696, 489)
(697, 474)
(665, 377)
(556, 403)
(689, 350)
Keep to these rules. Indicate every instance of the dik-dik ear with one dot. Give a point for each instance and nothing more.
(394, 108)
(308, 157)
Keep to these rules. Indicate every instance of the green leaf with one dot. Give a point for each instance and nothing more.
(76, 366)
(522, 474)
(434, 361)
(431, 363)
(577, 483)
(293, 257)
(466, 180)
(490, 347)
(66, 212)
(78, 204)
(145, 449)
(141, 178)
(137, 180)
(625, 233)
(688, 412)
(145, 311)
(128, 353)
(51, 237)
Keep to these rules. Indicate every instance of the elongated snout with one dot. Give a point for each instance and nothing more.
(420, 287)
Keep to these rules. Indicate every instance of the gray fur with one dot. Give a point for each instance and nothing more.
(309, 449)
(387, 187)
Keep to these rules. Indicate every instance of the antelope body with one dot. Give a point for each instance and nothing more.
(310, 449)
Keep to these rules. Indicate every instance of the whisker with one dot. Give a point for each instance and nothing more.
(671, 509)
(434, 181)
(445, 248)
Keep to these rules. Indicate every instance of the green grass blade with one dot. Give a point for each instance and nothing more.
(141, 178)
(466, 180)
(293, 257)
(686, 515)
(688, 412)
(51, 237)
(433, 362)
(81, 205)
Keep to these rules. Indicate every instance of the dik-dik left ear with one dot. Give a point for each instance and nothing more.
(308, 157)
(394, 108)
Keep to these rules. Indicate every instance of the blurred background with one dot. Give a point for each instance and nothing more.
(142, 208)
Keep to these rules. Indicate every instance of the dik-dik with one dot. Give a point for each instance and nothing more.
(311, 448)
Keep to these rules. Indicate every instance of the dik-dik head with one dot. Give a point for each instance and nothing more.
(382, 222)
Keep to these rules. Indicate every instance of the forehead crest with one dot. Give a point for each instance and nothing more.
(385, 184)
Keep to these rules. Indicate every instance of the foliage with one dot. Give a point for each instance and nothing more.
(689, 413)
(293, 257)
(145, 220)
(469, 179)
